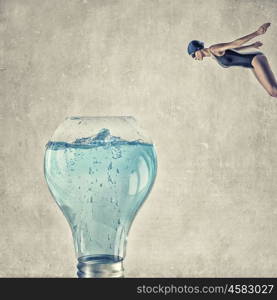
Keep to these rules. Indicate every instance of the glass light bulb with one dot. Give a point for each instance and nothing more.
(100, 170)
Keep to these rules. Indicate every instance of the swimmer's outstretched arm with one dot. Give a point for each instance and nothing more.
(244, 47)
(238, 42)
(254, 45)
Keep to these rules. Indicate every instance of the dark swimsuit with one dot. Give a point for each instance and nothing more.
(234, 58)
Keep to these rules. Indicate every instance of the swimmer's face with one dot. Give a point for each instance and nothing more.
(198, 55)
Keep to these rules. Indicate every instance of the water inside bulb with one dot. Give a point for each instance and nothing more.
(100, 182)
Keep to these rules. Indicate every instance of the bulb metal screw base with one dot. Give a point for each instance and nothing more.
(100, 266)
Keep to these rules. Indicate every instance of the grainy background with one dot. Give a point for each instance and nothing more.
(212, 211)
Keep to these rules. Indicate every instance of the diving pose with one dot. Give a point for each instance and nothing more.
(227, 55)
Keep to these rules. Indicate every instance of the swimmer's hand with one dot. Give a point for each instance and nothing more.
(262, 29)
(257, 44)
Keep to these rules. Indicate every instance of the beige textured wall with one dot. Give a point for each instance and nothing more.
(212, 211)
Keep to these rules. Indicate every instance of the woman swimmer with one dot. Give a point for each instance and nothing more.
(226, 55)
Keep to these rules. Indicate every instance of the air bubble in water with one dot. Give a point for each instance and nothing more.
(110, 179)
(116, 152)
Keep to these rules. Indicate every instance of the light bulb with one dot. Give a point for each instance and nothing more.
(100, 170)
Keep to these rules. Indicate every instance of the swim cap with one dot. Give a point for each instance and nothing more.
(194, 46)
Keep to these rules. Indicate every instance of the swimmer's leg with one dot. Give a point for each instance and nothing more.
(264, 74)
